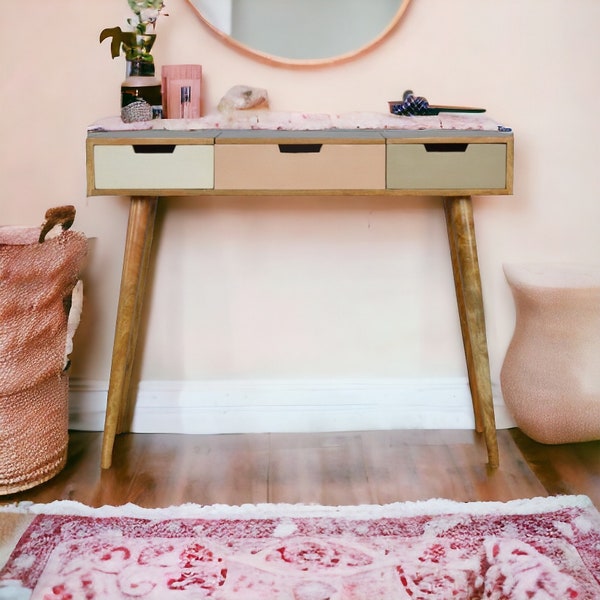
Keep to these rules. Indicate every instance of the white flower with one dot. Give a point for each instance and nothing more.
(137, 6)
(149, 15)
(146, 13)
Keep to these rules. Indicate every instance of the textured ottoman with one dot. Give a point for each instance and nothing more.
(550, 377)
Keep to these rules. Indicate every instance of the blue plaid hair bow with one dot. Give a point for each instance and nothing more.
(411, 105)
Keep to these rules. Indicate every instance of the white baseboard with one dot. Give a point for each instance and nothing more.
(260, 406)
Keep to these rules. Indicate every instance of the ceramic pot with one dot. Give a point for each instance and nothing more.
(550, 377)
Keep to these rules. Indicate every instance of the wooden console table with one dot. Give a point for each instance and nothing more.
(146, 165)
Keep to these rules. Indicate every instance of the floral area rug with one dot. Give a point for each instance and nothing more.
(541, 548)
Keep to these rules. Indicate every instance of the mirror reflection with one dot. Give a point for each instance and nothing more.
(301, 31)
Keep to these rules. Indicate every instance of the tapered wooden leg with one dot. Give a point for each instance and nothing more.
(140, 230)
(467, 280)
(460, 300)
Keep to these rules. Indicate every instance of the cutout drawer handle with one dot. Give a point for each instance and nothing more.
(299, 148)
(154, 148)
(450, 147)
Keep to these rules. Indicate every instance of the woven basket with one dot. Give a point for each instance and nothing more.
(38, 316)
(33, 434)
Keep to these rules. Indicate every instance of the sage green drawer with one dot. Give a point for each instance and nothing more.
(132, 167)
(446, 166)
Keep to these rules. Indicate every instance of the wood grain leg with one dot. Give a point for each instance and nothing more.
(136, 259)
(467, 280)
(460, 300)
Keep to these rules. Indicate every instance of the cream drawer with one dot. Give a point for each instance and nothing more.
(153, 167)
(307, 165)
(447, 166)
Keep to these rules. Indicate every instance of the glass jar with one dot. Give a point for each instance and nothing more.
(141, 98)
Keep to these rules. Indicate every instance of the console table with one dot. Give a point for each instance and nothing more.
(452, 164)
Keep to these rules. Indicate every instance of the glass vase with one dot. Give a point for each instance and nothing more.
(141, 98)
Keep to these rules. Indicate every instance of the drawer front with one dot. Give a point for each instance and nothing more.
(302, 166)
(446, 166)
(160, 167)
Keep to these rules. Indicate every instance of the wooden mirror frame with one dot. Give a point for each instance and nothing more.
(302, 63)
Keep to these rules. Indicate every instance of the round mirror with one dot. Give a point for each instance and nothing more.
(301, 32)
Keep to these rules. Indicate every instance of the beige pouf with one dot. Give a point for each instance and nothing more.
(550, 377)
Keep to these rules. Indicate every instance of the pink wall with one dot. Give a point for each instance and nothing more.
(312, 287)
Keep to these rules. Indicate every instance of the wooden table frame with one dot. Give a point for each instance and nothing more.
(143, 205)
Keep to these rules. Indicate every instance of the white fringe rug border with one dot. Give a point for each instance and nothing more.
(435, 506)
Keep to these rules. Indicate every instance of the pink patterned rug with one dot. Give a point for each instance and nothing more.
(542, 548)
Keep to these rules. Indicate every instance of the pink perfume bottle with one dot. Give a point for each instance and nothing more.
(185, 111)
(177, 81)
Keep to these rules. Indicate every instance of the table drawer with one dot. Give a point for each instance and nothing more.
(447, 166)
(299, 166)
(153, 167)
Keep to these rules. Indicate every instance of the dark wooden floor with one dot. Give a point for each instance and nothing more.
(328, 468)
